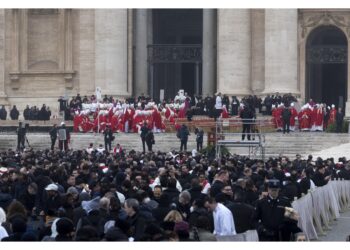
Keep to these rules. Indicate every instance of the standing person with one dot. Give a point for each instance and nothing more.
(108, 137)
(223, 218)
(218, 106)
(14, 113)
(3, 113)
(26, 113)
(183, 134)
(199, 138)
(20, 137)
(270, 216)
(286, 114)
(53, 136)
(339, 118)
(247, 118)
(149, 140)
(144, 130)
(234, 106)
(63, 137)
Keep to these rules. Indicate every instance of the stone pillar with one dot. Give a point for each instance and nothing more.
(233, 55)
(141, 37)
(2, 58)
(86, 51)
(111, 51)
(258, 50)
(208, 52)
(281, 51)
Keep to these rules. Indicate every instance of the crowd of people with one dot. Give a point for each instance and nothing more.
(29, 113)
(114, 195)
(128, 115)
(311, 117)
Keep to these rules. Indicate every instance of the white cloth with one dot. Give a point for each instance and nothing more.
(218, 103)
(3, 233)
(223, 221)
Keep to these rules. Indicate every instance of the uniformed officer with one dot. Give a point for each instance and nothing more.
(272, 224)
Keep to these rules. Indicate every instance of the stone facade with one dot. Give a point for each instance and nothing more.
(47, 53)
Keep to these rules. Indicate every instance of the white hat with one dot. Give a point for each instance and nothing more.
(51, 187)
(333, 106)
(292, 104)
(62, 123)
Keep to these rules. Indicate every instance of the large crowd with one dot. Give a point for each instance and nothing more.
(101, 195)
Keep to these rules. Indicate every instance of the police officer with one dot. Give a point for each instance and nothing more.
(272, 225)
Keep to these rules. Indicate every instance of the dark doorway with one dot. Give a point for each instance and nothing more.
(326, 66)
(176, 27)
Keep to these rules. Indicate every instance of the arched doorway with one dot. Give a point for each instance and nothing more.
(326, 66)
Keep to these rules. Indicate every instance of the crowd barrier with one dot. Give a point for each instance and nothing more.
(320, 208)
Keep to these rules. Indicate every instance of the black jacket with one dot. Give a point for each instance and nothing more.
(243, 215)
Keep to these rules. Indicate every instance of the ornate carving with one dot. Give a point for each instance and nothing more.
(325, 18)
(169, 53)
(327, 54)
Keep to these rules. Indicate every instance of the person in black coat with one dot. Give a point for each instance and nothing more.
(199, 138)
(14, 113)
(135, 220)
(3, 113)
(339, 118)
(234, 106)
(269, 216)
(53, 136)
(243, 213)
(246, 115)
(219, 182)
(183, 136)
(144, 130)
(344, 173)
(163, 208)
(108, 138)
(26, 112)
(286, 114)
(305, 182)
(320, 178)
(171, 190)
(149, 140)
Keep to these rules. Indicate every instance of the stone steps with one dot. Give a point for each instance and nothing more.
(276, 143)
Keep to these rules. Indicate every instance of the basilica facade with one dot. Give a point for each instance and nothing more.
(48, 53)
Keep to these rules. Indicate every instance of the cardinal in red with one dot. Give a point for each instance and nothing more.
(319, 118)
(304, 118)
(332, 115)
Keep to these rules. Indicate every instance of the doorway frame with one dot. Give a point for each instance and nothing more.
(308, 21)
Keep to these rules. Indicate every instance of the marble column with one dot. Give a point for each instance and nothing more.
(234, 52)
(2, 57)
(86, 51)
(111, 51)
(208, 52)
(258, 50)
(281, 51)
(141, 37)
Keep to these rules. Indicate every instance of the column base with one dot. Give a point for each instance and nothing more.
(347, 109)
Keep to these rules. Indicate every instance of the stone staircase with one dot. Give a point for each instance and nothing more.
(275, 143)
